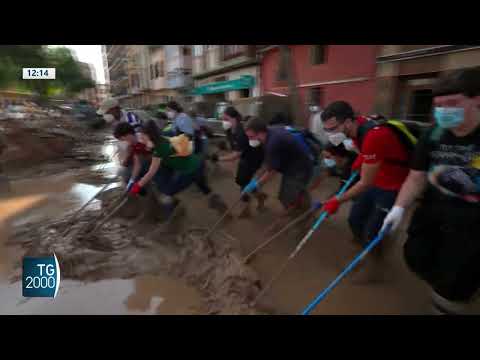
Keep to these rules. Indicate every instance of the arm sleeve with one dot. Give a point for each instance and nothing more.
(185, 125)
(421, 159)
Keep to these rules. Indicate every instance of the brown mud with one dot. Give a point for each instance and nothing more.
(159, 272)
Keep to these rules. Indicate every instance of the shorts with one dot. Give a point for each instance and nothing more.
(368, 212)
(443, 250)
(293, 188)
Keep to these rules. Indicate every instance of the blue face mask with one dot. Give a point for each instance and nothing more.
(329, 163)
(448, 117)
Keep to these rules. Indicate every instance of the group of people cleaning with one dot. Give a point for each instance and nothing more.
(437, 173)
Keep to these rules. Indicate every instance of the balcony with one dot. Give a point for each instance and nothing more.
(178, 79)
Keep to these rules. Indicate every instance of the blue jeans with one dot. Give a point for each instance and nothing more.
(171, 182)
(368, 212)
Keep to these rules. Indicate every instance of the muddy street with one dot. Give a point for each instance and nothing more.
(135, 267)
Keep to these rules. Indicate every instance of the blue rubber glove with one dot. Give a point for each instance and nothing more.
(252, 185)
(316, 205)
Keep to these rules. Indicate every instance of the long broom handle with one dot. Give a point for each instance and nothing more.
(212, 229)
(276, 235)
(75, 215)
(106, 218)
(322, 217)
(349, 268)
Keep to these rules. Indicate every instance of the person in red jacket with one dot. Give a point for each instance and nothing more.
(382, 165)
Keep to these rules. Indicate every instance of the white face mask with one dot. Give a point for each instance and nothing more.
(254, 143)
(170, 114)
(226, 125)
(337, 138)
(349, 144)
(109, 118)
(330, 163)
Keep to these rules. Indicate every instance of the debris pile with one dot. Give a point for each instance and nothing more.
(120, 250)
(31, 143)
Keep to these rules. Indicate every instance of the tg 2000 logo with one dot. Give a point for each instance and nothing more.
(41, 276)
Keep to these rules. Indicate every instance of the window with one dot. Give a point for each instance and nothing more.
(282, 74)
(198, 50)
(152, 72)
(316, 96)
(157, 69)
(318, 54)
(162, 69)
(244, 93)
(230, 51)
(186, 51)
(421, 105)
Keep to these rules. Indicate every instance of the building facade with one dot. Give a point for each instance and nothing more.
(322, 74)
(225, 72)
(118, 70)
(142, 75)
(103, 92)
(406, 74)
(178, 68)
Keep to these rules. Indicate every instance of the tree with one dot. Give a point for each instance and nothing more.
(69, 77)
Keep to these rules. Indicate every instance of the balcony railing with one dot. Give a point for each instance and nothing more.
(177, 80)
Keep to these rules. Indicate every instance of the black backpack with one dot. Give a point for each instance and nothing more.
(308, 141)
(407, 133)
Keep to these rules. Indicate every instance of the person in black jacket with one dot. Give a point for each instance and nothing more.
(250, 158)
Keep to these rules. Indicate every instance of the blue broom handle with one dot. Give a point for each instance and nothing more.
(349, 268)
(344, 188)
(322, 217)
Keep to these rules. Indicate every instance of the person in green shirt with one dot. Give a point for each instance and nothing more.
(170, 173)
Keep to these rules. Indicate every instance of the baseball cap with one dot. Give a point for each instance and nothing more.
(107, 105)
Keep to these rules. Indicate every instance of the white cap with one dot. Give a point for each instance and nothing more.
(106, 105)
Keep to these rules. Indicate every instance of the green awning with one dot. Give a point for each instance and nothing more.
(244, 82)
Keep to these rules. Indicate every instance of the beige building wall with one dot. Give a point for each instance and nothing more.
(397, 78)
(158, 56)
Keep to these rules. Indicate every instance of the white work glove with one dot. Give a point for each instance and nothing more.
(394, 218)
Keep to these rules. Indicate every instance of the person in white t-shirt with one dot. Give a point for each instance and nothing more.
(113, 115)
(316, 125)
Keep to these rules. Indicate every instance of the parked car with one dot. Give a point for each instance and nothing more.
(18, 112)
(84, 111)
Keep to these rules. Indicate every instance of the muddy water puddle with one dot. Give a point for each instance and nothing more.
(144, 295)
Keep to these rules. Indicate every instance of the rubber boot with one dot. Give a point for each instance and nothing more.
(261, 197)
(173, 210)
(246, 212)
(216, 203)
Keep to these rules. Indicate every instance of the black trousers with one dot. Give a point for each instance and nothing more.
(443, 249)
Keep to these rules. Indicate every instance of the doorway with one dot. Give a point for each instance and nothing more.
(421, 105)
